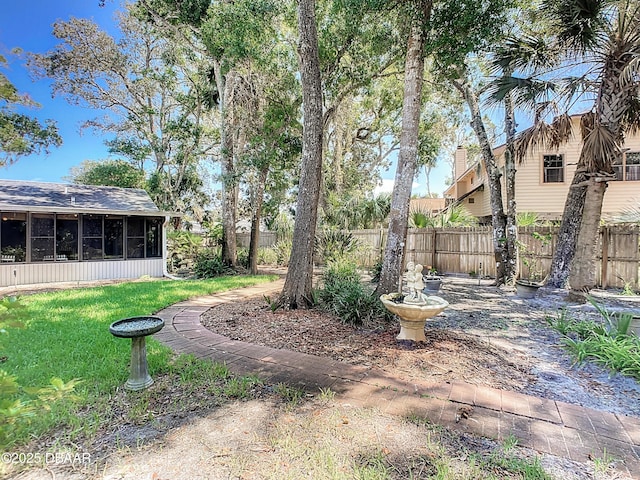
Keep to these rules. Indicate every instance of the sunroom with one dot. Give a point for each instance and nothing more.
(70, 233)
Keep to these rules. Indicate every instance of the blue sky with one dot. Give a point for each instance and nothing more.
(28, 25)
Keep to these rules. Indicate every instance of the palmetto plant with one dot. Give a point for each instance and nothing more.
(590, 61)
(354, 213)
(453, 216)
(630, 214)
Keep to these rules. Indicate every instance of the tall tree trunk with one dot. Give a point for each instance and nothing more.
(568, 233)
(258, 199)
(298, 284)
(427, 174)
(229, 203)
(227, 172)
(393, 258)
(498, 218)
(511, 260)
(582, 275)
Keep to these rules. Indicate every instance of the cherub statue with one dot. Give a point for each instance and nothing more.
(418, 283)
(415, 284)
(408, 276)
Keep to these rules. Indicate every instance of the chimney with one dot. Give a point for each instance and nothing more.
(460, 161)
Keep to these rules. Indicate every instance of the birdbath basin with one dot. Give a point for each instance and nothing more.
(413, 316)
(137, 329)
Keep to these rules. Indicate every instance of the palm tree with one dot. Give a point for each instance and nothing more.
(601, 38)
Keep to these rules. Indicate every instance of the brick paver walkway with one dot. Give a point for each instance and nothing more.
(544, 425)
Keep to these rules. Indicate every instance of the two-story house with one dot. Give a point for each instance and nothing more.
(543, 180)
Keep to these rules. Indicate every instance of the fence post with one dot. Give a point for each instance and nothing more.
(605, 257)
(434, 251)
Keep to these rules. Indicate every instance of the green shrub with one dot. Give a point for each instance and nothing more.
(606, 342)
(332, 245)
(209, 265)
(267, 256)
(376, 272)
(243, 257)
(344, 295)
(283, 251)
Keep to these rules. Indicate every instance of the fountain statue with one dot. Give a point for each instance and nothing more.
(412, 306)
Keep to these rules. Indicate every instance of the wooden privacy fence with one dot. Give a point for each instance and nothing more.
(469, 250)
(267, 239)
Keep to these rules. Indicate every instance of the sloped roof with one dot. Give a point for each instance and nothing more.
(59, 197)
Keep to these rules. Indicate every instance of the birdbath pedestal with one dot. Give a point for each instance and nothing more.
(413, 316)
(137, 329)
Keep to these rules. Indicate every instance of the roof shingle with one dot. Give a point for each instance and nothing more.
(59, 197)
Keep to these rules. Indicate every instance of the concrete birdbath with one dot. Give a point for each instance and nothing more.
(137, 329)
(413, 308)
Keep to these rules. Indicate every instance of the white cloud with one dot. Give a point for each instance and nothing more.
(387, 186)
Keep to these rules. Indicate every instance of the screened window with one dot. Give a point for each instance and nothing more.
(42, 237)
(113, 237)
(13, 237)
(553, 169)
(154, 237)
(49, 237)
(66, 237)
(92, 244)
(135, 237)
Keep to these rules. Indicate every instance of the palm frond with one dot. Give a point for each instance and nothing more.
(575, 86)
(631, 119)
(630, 74)
(420, 219)
(526, 93)
(523, 53)
(544, 135)
(527, 219)
(630, 214)
(599, 145)
(578, 22)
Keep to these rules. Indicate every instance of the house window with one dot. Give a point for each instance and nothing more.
(472, 200)
(553, 168)
(92, 244)
(135, 237)
(618, 168)
(13, 237)
(627, 166)
(632, 166)
(113, 237)
(66, 237)
(42, 237)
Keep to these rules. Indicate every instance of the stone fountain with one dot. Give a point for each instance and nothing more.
(413, 307)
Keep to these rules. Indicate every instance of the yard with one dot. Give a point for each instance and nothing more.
(200, 421)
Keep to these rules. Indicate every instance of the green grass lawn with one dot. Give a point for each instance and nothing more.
(65, 334)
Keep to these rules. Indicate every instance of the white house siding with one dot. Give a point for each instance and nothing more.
(618, 198)
(33, 273)
(480, 206)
